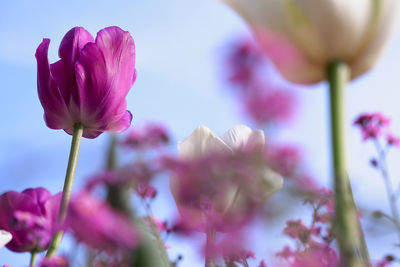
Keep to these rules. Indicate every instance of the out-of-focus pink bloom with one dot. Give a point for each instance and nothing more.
(96, 224)
(387, 261)
(392, 140)
(5, 237)
(372, 125)
(269, 106)
(161, 226)
(285, 159)
(57, 261)
(316, 256)
(146, 190)
(137, 175)
(262, 264)
(88, 85)
(31, 218)
(297, 230)
(152, 135)
(262, 99)
(220, 178)
(243, 62)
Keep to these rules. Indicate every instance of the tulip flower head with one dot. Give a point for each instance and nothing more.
(220, 178)
(303, 37)
(30, 217)
(5, 237)
(88, 85)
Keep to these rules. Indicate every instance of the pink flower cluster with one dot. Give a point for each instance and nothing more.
(151, 135)
(315, 242)
(374, 126)
(264, 101)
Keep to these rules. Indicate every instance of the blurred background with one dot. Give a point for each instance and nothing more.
(180, 47)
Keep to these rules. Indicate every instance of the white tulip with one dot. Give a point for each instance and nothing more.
(303, 36)
(203, 142)
(5, 237)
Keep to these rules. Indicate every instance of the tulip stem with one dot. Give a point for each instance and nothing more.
(347, 226)
(66, 194)
(33, 259)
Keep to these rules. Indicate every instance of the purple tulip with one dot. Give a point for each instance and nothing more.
(31, 218)
(88, 85)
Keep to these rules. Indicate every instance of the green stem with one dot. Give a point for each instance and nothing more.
(347, 226)
(69, 180)
(33, 259)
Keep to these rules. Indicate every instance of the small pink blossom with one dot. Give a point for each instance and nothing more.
(57, 261)
(152, 135)
(269, 106)
(95, 223)
(392, 140)
(372, 125)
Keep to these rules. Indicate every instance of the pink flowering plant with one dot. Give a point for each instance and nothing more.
(227, 190)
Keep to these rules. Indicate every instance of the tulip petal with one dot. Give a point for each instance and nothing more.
(284, 32)
(289, 59)
(386, 12)
(56, 111)
(63, 71)
(200, 143)
(105, 73)
(236, 138)
(5, 237)
(341, 24)
(256, 140)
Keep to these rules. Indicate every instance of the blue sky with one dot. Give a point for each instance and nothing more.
(178, 45)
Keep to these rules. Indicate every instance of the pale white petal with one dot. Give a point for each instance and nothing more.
(272, 182)
(387, 12)
(5, 237)
(201, 142)
(287, 36)
(341, 24)
(236, 138)
(256, 140)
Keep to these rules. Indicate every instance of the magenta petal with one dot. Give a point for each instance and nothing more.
(56, 111)
(63, 71)
(120, 125)
(105, 73)
(72, 44)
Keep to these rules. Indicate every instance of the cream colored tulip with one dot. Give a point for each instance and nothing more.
(203, 142)
(302, 37)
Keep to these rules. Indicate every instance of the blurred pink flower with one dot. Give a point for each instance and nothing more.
(269, 106)
(89, 83)
(243, 61)
(285, 159)
(372, 125)
(96, 224)
(57, 261)
(152, 135)
(31, 218)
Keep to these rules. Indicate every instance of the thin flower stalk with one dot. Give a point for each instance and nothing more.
(67, 190)
(347, 226)
(382, 165)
